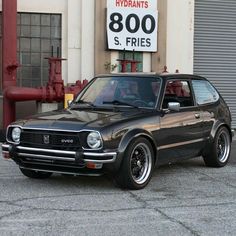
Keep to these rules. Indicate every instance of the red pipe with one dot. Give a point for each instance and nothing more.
(17, 94)
(134, 64)
(54, 91)
(9, 59)
(125, 62)
(43, 94)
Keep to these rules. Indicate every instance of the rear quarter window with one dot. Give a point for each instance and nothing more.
(204, 92)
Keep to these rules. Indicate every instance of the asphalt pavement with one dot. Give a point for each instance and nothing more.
(186, 198)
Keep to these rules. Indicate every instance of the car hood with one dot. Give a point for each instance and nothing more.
(80, 119)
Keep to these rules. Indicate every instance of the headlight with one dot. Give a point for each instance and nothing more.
(94, 140)
(16, 134)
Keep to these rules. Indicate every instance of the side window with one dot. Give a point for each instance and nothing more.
(205, 93)
(177, 91)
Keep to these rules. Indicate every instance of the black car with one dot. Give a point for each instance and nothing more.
(125, 124)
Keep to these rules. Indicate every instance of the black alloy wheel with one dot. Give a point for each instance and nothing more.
(219, 153)
(136, 168)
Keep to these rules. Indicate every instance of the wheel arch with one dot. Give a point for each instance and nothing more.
(216, 127)
(210, 154)
(134, 134)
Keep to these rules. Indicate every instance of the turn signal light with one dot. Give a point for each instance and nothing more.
(92, 165)
(6, 155)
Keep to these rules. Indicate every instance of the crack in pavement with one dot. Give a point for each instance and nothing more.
(138, 199)
(11, 214)
(17, 208)
(31, 208)
(172, 219)
(214, 179)
(61, 195)
(17, 203)
(199, 205)
(144, 205)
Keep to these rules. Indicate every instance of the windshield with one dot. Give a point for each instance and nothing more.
(121, 91)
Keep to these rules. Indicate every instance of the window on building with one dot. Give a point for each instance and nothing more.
(38, 34)
(138, 56)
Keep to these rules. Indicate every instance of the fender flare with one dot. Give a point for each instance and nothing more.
(132, 135)
(216, 127)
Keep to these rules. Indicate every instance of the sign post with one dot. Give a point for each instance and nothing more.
(132, 25)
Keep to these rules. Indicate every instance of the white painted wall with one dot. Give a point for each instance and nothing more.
(114, 57)
(180, 30)
(88, 39)
(80, 29)
(73, 37)
(147, 62)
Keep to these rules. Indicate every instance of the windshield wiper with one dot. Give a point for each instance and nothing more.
(117, 102)
(85, 102)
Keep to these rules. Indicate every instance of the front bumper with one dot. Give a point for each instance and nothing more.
(57, 160)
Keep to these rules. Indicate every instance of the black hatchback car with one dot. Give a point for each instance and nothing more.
(125, 124)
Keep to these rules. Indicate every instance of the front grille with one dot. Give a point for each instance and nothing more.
(50, 140)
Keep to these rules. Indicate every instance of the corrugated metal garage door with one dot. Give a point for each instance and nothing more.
(215, 46)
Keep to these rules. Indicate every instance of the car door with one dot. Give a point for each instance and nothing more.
(180, 133)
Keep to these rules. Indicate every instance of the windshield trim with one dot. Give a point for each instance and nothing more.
(154, 76)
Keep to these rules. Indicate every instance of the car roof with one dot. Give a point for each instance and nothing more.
(164, 76)
(178, 75)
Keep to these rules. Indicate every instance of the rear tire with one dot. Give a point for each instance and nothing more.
(35, 174)
(137, 165)
(219, 152)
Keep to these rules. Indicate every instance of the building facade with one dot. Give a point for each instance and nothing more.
(194, 36)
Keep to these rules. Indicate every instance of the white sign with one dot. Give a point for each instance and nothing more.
(132, 25)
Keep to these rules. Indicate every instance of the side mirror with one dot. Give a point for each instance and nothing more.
(174, 106)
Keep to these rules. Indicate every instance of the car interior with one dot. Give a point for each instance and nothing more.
(177, 91)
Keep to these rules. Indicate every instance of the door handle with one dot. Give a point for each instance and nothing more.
(197, 115)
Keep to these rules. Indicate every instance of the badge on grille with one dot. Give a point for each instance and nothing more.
(46, 139)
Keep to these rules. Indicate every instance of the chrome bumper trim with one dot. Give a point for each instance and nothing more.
(107, 154)
(46, 150)
(70, 158)
(5, 146)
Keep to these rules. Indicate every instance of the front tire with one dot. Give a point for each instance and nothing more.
(35, 174)
(137, 165)
(219, 153)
